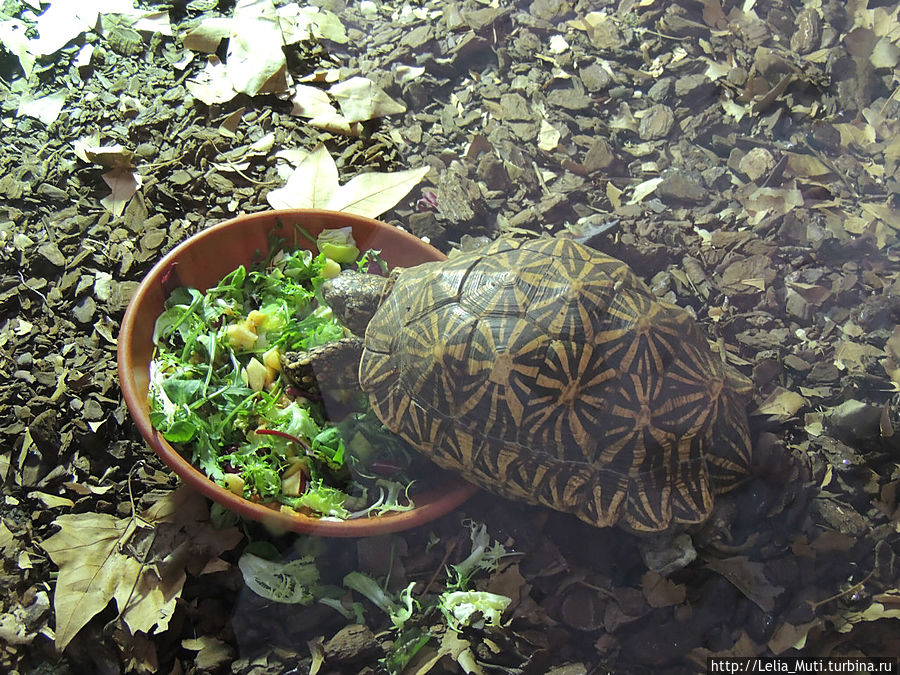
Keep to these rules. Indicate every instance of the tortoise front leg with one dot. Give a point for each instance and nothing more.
(327, 368)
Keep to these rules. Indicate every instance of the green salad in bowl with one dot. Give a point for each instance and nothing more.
(216, 392)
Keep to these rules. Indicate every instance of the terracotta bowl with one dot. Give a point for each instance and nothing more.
(202, 261)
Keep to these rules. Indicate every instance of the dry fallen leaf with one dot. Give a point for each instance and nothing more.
(548, 137)
(749, 578)
(123, 183)
(91, 569)
(371, 194)
(782, 404)
(302, 23)
(853, 356)
(12, 37)
(643, 189)
(211, 651)
(312, 102)
(662, 592)
(46, 109)
(255, 62)
(206, 36)
(314, 184)
(101, 558)
(361, 99)
(789, 636)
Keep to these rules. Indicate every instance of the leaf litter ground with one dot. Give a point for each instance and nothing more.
(742, 157)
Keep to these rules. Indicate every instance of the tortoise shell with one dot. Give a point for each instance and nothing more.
(544, 371)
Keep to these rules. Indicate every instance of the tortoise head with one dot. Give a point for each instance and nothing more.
(354, 297)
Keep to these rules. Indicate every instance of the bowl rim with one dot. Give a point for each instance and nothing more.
(429, 505)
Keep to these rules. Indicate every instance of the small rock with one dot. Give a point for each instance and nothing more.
(656, 123)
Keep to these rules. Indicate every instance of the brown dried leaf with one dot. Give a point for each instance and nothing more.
(211, 651)
(749, 578)
(853, 356)
(123, 183)
(94, 554)
(661, 592)
(91, 568)
(789, 636)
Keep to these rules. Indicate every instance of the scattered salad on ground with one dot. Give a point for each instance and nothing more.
(216, 391)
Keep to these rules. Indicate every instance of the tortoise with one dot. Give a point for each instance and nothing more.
(544, 371)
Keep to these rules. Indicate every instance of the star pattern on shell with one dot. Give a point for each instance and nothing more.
(548, 372)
